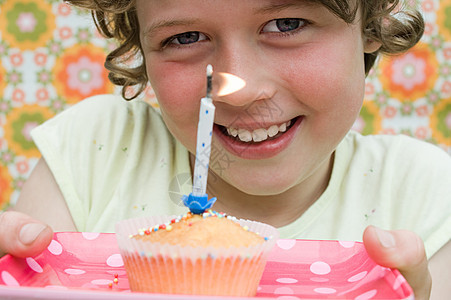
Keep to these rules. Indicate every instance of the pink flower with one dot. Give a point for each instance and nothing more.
(26, 22)
(27, 129)
(409, 71)
(85, 75)
(359, 124)
(448, 120)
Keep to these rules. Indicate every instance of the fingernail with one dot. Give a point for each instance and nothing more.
(385, 238)
(29, 232)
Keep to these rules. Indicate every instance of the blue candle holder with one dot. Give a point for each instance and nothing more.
(198, 204)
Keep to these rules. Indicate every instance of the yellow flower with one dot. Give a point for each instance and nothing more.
(441, 122)
(19, 122)
(27, 24)
(6, 189)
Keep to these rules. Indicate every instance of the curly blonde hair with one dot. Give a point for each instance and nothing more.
(396, 32)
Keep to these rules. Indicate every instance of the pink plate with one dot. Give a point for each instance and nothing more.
(85, 266)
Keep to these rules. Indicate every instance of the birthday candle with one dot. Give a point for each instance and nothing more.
(204, 134)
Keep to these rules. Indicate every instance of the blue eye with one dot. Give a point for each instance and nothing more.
(283, 25)
(187, 38)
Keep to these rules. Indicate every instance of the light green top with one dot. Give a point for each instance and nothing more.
(114, 159)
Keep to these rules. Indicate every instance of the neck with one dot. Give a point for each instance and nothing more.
(277, 210)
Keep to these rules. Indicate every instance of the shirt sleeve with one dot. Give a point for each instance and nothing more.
(101, 151)
(423, 182)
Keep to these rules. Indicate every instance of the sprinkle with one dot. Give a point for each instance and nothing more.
(162, 226)
(266, 238)
(115, 280)
(168, 228)
(116, 275)
(110, 285)
(172, 221)
(155, 228)
(147, 232)
(246, 228)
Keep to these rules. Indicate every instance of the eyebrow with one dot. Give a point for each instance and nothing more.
(150, 30)
(280, 7)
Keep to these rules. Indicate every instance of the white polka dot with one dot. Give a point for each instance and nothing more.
(319, 279)
(8, 279)
(74, 271)
(115, 260)
(357, 277)
(90, 235)
(286, 244)
(283, 290)
(398, 282)
(56, 287)
(325, 290)
(366, 295)
(55, 248)
(34, 265)
(286, 280)
(320, 268)
(347, 244)
(101, 281)
(288, 298)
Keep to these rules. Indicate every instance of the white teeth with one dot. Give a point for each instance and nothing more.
(260, 134)
(273, 130)
(283, 127)
(232, 131)
(245, 135)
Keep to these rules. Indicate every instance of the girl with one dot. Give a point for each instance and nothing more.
(282, 149)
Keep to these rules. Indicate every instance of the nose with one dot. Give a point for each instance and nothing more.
(245, 61)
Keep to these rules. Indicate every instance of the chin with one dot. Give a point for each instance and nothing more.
(257, 186)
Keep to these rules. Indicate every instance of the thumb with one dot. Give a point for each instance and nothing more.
(22, 236)
(402, 250)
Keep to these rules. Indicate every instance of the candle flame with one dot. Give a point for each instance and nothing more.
(229, 84)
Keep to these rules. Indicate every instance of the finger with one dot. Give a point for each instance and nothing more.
(402, 250)
(22, 236)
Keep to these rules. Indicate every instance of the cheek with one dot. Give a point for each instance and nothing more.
(178, 90)
(331, 79)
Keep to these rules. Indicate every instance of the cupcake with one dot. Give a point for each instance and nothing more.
(208, 253)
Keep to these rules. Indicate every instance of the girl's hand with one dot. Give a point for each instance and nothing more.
(22, 236)
(402, 250)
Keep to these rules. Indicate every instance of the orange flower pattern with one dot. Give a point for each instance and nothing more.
(409, 76)
(51, 58)
(79, 73)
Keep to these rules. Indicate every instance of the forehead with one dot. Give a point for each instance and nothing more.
(148, 9)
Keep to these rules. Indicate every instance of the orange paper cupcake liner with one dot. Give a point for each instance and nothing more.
(163, 268)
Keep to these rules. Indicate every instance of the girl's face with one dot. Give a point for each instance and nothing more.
(303, 68)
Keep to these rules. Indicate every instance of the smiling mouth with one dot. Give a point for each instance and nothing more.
(257, 135)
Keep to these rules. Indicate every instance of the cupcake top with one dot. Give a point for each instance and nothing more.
(210, 229)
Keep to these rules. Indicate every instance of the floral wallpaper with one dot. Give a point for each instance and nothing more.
(51, 57)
